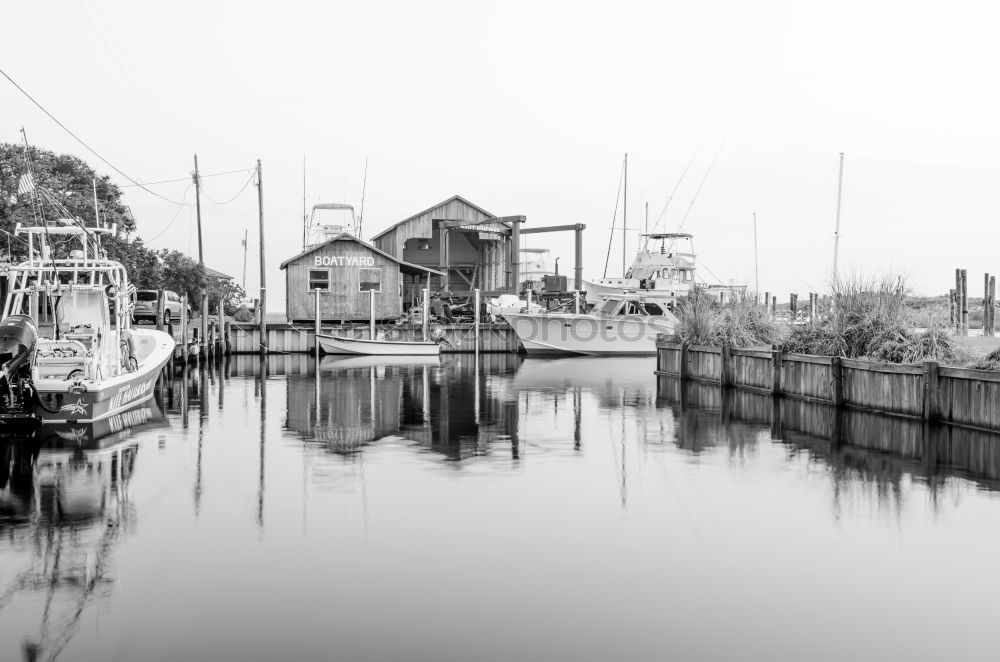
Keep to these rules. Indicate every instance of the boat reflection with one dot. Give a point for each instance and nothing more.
(64, 500)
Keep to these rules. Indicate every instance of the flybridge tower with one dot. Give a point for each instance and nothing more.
(318, 232)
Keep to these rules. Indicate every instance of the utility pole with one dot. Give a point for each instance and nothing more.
(246, 234)
(625, 217)
(263, 281)
(836, 232)
(756, 273)
(203, 334)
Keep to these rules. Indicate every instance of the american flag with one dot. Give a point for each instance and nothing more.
(26, 184)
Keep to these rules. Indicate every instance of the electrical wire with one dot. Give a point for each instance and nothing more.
(80, 140)
(176, 214)
(210, 199)
(185, 179)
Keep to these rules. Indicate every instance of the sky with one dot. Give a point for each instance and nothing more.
(528, 108)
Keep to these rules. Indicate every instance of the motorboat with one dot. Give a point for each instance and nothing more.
(65, 357)
(377, 347)
(625, 324)
(665, 270)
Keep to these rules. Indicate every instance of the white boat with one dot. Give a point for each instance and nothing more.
(67, 358)
(341, 345)
(666, 271)
(617, 325)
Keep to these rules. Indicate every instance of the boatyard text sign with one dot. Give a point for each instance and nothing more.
(345, 261)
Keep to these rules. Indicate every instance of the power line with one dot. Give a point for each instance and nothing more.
(176, 214)
(186, 179)
(210, 199)
(79, 140)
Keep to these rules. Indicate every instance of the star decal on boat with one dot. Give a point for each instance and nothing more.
(77, 435)
(78, 407)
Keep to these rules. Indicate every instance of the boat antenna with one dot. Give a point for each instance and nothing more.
(663, 211)
(97, 212)
(305, 217)
(836, 230)
(614, 217)
(364, 185)
(625, 217)
(756, 272)
(701, 184)
(34, 196)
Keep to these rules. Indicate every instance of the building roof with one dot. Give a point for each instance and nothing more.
(453, 198)
(212, 273)
(405, 267)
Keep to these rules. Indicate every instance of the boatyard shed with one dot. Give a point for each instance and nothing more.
(344, 269)
(468, 245)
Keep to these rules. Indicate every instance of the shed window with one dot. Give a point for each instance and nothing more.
(370, 279)
(319, 279)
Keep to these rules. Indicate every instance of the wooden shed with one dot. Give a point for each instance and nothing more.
(469, 246)
(344, 269)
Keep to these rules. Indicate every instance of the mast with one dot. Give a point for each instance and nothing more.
(305, 217)
(263, 286)
(361, 216)
(203, 334)
(836, 231)
(625, 217)
(756, 273)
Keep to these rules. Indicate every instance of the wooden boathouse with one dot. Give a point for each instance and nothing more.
(344, 270)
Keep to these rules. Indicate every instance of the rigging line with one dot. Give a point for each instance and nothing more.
(701, 184)
(705, 266)
(128, 78)
(176, 214)
(186, 179)
(79, 140)
(232, 198)
(614, 217)
(14, 237)
(663, 211)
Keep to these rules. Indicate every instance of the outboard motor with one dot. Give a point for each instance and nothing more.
(18, 336)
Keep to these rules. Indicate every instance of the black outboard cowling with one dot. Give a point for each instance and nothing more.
(18, 336)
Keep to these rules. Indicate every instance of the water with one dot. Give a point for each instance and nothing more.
(538, 510)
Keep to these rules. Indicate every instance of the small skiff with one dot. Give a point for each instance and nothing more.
(341, 345)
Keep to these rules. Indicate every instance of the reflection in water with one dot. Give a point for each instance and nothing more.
(64, 493)
(862, 452)
(610, 509)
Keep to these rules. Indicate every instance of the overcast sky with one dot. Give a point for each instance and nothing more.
(527, 108)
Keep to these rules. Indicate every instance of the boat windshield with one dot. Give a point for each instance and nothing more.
(81, 308)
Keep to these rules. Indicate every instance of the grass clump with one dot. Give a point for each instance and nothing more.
(738, 322)
(870, 319)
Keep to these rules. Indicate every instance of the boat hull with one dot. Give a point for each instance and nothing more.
(101, 399)
(587, 335)
(356, 346)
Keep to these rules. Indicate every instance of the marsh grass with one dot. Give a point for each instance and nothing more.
(739, 322)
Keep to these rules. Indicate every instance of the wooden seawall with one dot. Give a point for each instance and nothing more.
(929, 392)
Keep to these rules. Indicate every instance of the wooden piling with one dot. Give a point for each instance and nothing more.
(776, 369)
(161, 307)
(932, 407)
(683, 367)
(478, 316)
(951, 308)
(993, 305)
(316, 322)
(837, 378)
(184, 328)
(774, 304)
(725, 371)
(965, 302)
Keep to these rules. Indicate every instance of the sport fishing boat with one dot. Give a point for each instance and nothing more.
(665, 271)
(68, 352)
(617, 325)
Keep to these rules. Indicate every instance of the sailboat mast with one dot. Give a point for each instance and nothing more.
(625, 217)
(836, 231)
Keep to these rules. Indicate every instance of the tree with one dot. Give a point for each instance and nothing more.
(227, 291)
(182, 275)
(69, 180)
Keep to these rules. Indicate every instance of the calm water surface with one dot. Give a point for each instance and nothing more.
(570, 509)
